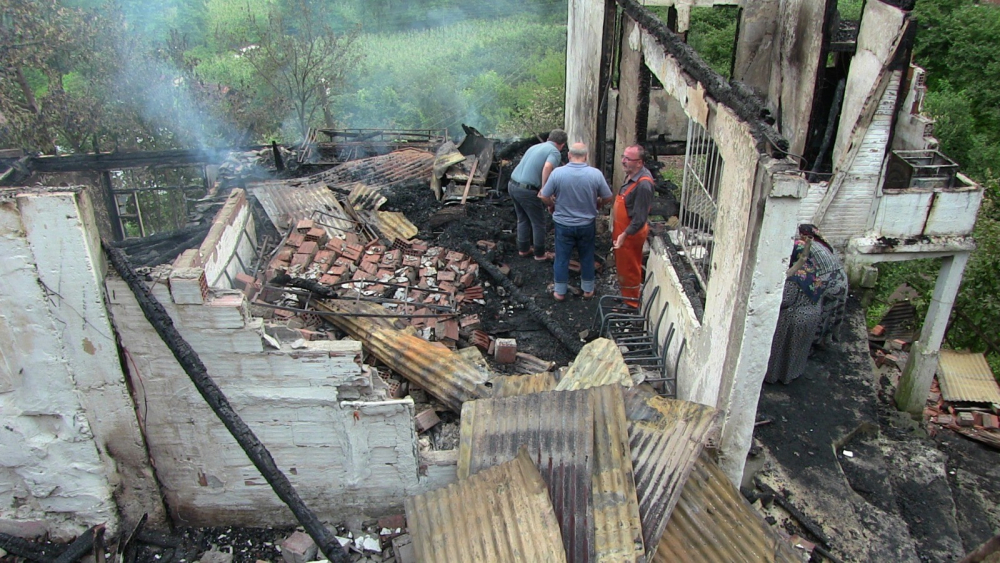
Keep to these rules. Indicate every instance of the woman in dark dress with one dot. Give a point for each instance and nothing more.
(799, 319)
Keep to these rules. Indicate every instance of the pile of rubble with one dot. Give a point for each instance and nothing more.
(581, 465)
(427, 285)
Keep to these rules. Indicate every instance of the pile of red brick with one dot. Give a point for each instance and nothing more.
(428, 276)
(944, 413)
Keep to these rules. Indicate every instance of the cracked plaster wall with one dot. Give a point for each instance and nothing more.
(69, 442)
(339, 451)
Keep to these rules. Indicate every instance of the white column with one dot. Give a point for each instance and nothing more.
(763, 304)
(915, 382)
(584, 38)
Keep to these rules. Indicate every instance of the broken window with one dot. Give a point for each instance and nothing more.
(699, 189)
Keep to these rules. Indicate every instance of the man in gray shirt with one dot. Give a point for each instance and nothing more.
(527, 178)
(577, 191)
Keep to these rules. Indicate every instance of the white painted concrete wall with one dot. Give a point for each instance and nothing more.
(881, 30)
(341, 453)
(778, 227)
(69, 440)
(725, 354)
(701, 365)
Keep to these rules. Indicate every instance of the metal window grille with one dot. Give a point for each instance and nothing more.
(699, 205)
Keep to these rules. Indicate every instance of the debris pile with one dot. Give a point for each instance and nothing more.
(965, 398)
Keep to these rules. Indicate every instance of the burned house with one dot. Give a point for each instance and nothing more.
(107, 426)
(754, 146)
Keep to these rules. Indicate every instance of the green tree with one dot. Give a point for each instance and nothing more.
(301, 60)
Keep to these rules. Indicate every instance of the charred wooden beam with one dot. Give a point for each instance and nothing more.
(26, 549)
(123, 160)
(569, 341)
(195, 369)
(81, 546)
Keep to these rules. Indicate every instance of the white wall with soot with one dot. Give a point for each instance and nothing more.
(70, 447)
(340, 452)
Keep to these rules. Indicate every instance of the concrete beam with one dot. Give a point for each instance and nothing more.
(628, 96)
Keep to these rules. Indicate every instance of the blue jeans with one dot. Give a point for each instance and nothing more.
(530, 219)
(567, 238)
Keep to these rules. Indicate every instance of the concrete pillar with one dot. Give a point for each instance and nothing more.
(763, 304)
(915, 382)
(584, 39)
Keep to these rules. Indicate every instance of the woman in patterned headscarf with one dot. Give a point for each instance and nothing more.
(799, 319)
(831, 271)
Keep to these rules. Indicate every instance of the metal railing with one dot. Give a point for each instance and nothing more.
(703, 167)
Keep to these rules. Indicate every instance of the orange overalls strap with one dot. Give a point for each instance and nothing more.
(620, 210)
(628, 258)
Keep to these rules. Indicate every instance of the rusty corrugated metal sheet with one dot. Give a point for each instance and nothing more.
(395, 226)
(513, 385)
(600, 362)
(286, 205)
(501, 514)
(363, 197)
(557, 428)
(387, 170)
(446, 375)
(712, 522)
(965, 376)
(617, 529)
(665, 437)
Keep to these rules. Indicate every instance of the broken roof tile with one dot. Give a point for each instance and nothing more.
(448, 376)
(513, 385)
(599, 363)
(557, 428)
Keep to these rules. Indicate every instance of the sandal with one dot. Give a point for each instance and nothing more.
(589, 295)
(547, 257)
(558, 297)
(525, 254)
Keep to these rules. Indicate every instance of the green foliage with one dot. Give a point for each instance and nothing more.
(850, 9)
(957, 44)
(298, 60)
(712, 34)
(498, 76)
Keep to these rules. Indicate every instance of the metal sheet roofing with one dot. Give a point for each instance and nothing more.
(286, 205)
(502, 513)
(448, 376)
(665, 437)
(617, 528)
(387, 170)
(395, 226)
(712, 522)
(557, 428)
(965, 376)
(600, 362)
(513, 385)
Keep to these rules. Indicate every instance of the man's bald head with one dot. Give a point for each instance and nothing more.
(578, 152)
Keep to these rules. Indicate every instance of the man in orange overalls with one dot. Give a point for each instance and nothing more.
(630, 229)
